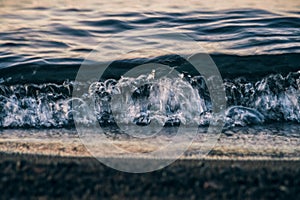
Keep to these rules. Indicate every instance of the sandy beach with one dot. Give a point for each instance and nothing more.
(61, 167)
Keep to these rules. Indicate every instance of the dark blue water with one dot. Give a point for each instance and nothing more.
(255, 45)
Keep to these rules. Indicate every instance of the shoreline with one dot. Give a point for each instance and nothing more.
(46, 165)
(237, 146)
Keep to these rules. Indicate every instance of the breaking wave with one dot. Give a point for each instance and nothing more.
(168, 102)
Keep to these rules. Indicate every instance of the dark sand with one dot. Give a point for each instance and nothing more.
(43, 177)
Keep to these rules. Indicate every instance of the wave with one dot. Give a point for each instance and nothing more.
(256, 51)
(18, 69)
(274, 98)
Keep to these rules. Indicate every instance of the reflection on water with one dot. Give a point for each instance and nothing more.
(70, 29)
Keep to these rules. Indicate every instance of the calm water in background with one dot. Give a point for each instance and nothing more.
(255, 44)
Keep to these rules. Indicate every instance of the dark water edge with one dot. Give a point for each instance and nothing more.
(33, 176)
(251, 67)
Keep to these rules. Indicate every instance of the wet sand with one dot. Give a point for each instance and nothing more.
(229, 145)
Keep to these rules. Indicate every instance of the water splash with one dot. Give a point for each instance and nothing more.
(183, 100)
(275, 97)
